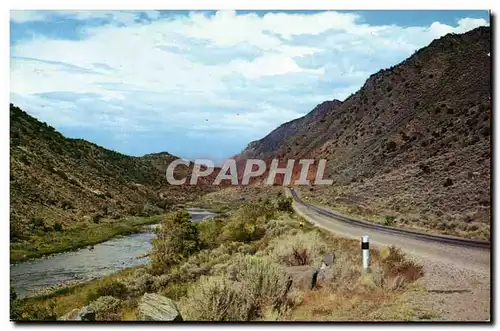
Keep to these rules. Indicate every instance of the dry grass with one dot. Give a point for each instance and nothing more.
(298, 249)
(250, 285)
(247, 281)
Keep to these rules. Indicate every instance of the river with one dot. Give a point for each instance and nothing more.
(85, 264)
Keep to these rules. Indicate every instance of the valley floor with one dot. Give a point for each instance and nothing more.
(239, 247)
(80, 235)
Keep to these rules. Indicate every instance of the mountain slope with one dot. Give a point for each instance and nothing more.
(54, 179)
(413, 143)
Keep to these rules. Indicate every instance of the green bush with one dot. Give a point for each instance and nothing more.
(177, 239)
(58, 227)
(32, 311)
(242, 230)
(13, 294)
(389, 220)
(210, 231)
(112, 288)
(249, 222)
(285, 204)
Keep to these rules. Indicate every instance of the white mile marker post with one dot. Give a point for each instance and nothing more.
(366, 253)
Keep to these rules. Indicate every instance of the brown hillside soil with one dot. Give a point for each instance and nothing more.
(412, 146)
(57, 183)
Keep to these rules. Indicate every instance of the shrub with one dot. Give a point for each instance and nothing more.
(58, 227)
(216, 299)
(285, 204)
(265, 281)
(248, 223)
(32, 311)
(96, 218)
(346, 271)
(299, 249)
(106, 308)
(389, 220)
(145, 283)
(112, 288)
(252, 211)
(396, 265)
(209, 232)
(150, 209)
(391, 146)
(177, 239)
(13, 294)
(207, 259)
(38, 223)
(425, 168)
(18, 230)
(251, 285)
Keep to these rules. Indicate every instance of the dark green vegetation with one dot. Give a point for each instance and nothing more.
(235, 267)
(414, 142)
(60, 188)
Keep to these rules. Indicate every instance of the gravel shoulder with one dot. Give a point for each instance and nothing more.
(457, 279)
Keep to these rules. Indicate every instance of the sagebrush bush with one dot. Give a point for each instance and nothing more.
(346, 272)
(249, 285)
(206, 259)
(176, 240)
(298, 249)
(112, 288)
(216, 299)
(32, 311)
(106, 308)
(145, 283)
(265, 280)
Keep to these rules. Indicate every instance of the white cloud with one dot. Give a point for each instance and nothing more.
(204, 73)
(23, 16)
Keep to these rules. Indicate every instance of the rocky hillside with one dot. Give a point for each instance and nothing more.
(54, 179)
(277, 139)
(412, 146)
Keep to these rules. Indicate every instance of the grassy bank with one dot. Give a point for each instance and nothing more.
(234, 268)
(76, 237)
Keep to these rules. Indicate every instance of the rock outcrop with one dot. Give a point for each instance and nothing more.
(83, 314)
(154, 307)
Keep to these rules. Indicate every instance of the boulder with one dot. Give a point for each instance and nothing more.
(154, 307)
(328, 260)
(303, 276)
(326, 274)
(83, 314)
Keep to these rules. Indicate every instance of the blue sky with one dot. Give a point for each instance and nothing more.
(203, 84)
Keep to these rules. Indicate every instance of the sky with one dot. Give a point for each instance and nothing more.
(203, 84)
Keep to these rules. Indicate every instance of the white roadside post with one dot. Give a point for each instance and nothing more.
(366, 253)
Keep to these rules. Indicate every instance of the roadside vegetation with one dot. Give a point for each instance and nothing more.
(43, 242)
(250, 264)
(464, 225)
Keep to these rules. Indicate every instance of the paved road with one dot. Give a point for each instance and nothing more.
(457, 272)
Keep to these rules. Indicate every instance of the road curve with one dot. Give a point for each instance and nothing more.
(457, 278)
(471, 254)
